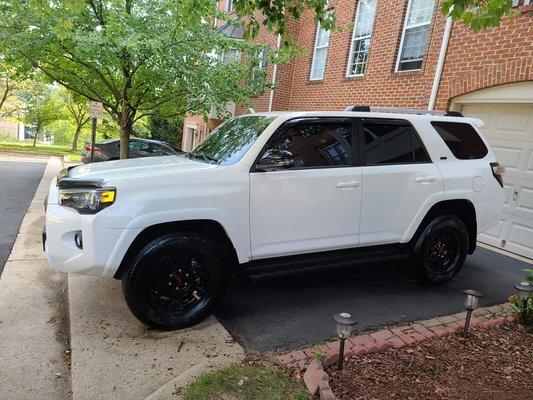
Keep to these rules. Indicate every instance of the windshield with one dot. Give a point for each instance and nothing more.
(230, 141)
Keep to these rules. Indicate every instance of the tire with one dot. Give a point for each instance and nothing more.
(441, 249)
(175, 280)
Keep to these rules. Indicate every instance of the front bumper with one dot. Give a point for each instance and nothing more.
(64, 255)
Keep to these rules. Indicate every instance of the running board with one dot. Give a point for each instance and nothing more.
(257, 270)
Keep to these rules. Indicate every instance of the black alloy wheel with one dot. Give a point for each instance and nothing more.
(441, 249)
(175, 280)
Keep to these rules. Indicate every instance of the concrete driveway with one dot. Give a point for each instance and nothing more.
(286, 313)
(18, 181)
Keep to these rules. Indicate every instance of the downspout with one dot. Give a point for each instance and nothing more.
(274, 73)
(440, 63)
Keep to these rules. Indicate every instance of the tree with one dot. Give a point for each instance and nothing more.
(167, 130)
(41, 106)
(78, 111)
(137, 57)
(275, 14)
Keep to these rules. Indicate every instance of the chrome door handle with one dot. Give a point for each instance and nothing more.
(347, 184)
(426, 178)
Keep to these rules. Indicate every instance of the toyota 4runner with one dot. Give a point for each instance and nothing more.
(274, 193)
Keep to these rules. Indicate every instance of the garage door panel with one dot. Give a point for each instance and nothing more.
(509, 130)
(508, 156)
(526, 199)
(521, 238)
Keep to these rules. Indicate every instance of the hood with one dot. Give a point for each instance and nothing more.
(137, 167)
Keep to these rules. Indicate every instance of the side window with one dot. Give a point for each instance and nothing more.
(462, 139)
(317, 144)
(392, 143)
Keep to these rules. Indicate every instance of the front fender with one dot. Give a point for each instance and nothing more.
(138, 224)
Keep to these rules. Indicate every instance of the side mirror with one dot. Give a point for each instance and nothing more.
(274, 159)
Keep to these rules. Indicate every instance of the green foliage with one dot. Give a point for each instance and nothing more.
(529, 276)
(478, 14)
(138, 58)
(250, 382)
(169, 130)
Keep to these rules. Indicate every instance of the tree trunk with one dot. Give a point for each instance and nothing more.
(75, 140)
(37, 131)
(126, 128)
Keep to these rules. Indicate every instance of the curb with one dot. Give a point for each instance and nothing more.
(394, 337)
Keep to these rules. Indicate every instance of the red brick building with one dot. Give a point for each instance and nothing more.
(404, 53)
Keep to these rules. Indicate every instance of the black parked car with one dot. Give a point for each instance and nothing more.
(107, 150)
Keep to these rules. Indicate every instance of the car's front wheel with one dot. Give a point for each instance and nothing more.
(441, 249)
(175, 280)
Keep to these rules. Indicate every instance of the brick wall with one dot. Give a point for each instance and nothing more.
(474, 61)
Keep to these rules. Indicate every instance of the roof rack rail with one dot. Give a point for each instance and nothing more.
(403, 111)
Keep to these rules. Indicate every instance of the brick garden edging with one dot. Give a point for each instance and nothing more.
(397, 337)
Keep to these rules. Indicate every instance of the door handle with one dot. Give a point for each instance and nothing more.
(426, 178)
(347, 184)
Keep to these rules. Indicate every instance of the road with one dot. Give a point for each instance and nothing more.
(18, 181)
(287, 313)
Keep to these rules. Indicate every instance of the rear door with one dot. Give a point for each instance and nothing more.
(398, 179)
(315, 204)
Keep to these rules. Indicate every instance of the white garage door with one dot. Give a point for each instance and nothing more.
(509, 129)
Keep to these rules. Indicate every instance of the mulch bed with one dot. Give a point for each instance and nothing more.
(495, 363)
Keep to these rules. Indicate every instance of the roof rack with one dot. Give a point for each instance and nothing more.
(447, 113)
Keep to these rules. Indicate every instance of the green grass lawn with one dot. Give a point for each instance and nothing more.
(246, 382)
(41, 149)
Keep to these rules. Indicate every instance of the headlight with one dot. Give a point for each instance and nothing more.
(87, 201)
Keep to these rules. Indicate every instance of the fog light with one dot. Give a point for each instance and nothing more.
(78, 240)
(471, 302)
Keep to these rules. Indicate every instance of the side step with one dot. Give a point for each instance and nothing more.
(281, 266)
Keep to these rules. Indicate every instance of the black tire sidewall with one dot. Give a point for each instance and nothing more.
(423, 244)
(133, 281)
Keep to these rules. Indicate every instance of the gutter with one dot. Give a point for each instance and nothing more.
(274, 73)
(440, 63)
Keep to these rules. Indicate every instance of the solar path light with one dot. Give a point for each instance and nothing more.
(471, 303)
(345, 324)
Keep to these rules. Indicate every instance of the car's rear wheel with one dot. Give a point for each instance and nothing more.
(175, 280)
(441, 249)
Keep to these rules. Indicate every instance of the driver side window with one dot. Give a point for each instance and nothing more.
(316, 144)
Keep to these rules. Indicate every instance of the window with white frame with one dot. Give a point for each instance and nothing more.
(362, 33)
(415, 35)
(230, 55)
(229, 5)
(320, 54)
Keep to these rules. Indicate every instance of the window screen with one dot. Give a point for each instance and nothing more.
(317, 144)
(392, 143)
(462, 139)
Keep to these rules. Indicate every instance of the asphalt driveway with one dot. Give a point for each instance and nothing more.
(18, 182)
(286, 313)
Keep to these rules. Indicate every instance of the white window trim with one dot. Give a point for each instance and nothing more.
(358, 38)
(409, 4)
(318, 28)
(229, 6)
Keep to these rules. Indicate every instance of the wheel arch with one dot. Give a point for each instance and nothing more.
(210, 228)
(461, 208)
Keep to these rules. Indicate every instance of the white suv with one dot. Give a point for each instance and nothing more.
(274, 193)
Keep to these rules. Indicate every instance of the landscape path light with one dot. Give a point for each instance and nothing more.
(345, 324)
(471, 303)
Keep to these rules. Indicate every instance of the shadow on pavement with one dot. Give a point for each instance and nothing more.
(290, 312)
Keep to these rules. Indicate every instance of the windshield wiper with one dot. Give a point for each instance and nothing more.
(203, 157)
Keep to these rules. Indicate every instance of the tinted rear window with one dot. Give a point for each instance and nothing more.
(391, 142)
(462, 139)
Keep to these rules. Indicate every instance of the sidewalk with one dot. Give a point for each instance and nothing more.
(33, 329)
(75, 338)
